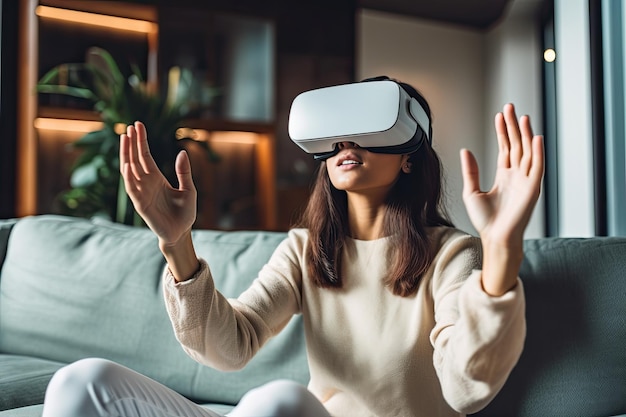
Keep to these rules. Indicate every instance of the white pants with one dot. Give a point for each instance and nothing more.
(101, 388)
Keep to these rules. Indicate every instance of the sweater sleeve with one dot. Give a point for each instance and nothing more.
(226, 333)
(477, 338)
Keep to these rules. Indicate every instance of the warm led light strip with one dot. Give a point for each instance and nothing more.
(113, 22)
(86, 126)
(67, 125)
(72, 125)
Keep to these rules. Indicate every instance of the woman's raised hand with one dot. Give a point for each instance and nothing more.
(170, 212)
(501, 214)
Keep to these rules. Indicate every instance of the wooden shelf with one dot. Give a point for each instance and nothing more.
(65, 113)
(229, 125)
(41, 150)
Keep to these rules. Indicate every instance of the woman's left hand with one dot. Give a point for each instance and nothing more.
(501, 214)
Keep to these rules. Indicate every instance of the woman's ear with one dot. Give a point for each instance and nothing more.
(406, 165)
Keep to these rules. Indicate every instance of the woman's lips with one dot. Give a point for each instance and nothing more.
(349, 159)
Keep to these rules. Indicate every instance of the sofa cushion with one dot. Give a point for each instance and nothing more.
(30, 411)
(72, 288)
(23, 380)
(574, 359)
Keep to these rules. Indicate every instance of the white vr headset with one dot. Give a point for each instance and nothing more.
(379, 116)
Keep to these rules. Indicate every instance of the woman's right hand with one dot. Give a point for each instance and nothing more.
(170, 212)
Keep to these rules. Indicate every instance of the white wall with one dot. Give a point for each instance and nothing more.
(466, 76)
(445, 64)
(513, 66)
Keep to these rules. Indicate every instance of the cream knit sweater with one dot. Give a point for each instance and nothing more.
(444, 351)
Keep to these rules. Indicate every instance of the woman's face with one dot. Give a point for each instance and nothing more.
(355, 169)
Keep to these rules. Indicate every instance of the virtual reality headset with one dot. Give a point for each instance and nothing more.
(379, 116)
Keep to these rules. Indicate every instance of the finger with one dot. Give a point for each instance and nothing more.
(514, 135)
(124, 156)
(183, 172)
(145, 157)
(538, 160)
(526, 139)
(504, 151)
(130, 181)
(469, 169)
(133, 153)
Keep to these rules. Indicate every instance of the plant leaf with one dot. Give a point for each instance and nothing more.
(67, 90)
(86, 174)
(92, 138)
(103, 60)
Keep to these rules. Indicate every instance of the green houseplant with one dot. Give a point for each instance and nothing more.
(96, 187)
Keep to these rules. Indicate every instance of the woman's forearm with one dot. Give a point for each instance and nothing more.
(500, 267)
(181, 258)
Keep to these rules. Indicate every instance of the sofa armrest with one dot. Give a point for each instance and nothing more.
(5, 230)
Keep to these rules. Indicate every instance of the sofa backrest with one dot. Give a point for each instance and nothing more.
(574, 359)
(72, 288)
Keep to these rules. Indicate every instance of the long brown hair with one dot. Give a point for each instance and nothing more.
(413, 204)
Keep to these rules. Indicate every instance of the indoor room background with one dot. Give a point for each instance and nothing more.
(560, 62)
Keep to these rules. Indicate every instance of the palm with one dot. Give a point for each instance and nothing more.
(168, 211)
(502, 214)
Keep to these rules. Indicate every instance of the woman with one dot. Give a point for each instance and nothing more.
(373, 263)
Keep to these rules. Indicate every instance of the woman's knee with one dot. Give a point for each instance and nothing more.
(76, 376)
(74, 389)
(282, 398)
(284, 388)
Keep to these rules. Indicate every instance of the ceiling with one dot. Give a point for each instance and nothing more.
(478, 14)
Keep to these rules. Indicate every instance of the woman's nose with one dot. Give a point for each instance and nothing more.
(345, 145)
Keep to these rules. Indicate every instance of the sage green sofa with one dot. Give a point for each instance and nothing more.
(73, 288)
